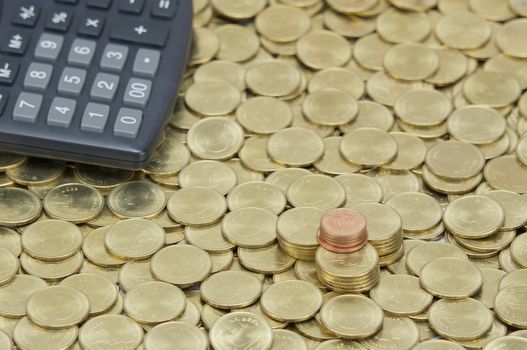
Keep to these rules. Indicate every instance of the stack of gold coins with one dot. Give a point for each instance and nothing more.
(355, 272)
(385, 232)
(342, 230)
(296, 231)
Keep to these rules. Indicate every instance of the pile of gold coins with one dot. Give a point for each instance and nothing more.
(410, 112)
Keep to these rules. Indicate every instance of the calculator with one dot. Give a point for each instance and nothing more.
(91, 81)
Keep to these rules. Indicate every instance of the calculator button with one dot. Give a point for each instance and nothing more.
(61, 112)
(114, 57)
(72, 81)
(141, 32)
(104, 87)
(49, 46)
(4, 96)
(16, 43)
(81, 52)
(137, 92)
(38, 76)
(27, 107)
(164, 8)
(95, 117)
(146, 63)
(26, 15)
(8, 70)
(128, 123)
(92, 25)
(59, 20)
(132, 6)
(68, 1)
(103, 4)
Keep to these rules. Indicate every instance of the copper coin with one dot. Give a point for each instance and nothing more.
(342, 225)
(340, 249)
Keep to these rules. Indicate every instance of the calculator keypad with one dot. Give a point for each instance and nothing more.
(38, 76)
(48, 47)
(27, 107)
(61, 112)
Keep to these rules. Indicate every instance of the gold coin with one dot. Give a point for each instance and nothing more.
(300, 121)
(229, 72)
(244, 174)
(411, 62)
(105, 218)
(419, 211)
(452, 30)
(37, 171)
(267, 260)
(514, 205)
(102, 178)
(509, 342)
(332, 162)
(253, 155)
(196, 206)
(5, 181)
(348, 25)
(308, 147)
(350, 265)
(384, 226)
(74, 202)
(313, 329)
(369, 51)
(399, 267)
(257, 194)
(411, 152)
(111, 332)
(330, 106)
(318, 191)
(420, 255)
(291, 301)
(51, 240)
(221, 261)
(512, 278)
(520, 333)
(237, 266)
(368, 147)
(352, 316)
(222, 98)
(205, 45)
(29, 336)
(454, 160)
(95, 251)
(231, 289)
(51, 270)
(336, 344)
(154, 302)
(510, 307)
(282, 23)
(492, 10)
(323, 49)
(507, 38)
(449, 187)
(465, 319)
(18, 207)
(177, 335)
(169, 159)
(134, 239)
(8, 266)
(392, 26)
(360, 189)
(182, 265)
(506, 263)
(42, 307)
(256, 308)
(264, 115)
(398, 332)
(237, 43)
(506, 173)
(285, 339)
(282, 178)
(519, 7)
(250, 329)
(215, 138)
(337, 78)
(423, 107)
(208, 238)
(250, 227)
(490, 287)
(451, 278)
(273, 78)
(6, 342)
(476, 124)
(518, 250)
(135, 272)
(10, 160)
(349, 6)
(239, 10)
(498, 241)
(101, 291)
(506, 89)
(453, 66)
(474, 217)
(414, 5)
(137, 199)
(514, 67)
(209, 315)
(15, 294)
(298, 226)
(395, 183)
(401, 295)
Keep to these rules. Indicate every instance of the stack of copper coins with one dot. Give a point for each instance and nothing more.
(342, 230)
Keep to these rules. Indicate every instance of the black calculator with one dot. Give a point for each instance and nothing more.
(91, 81)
